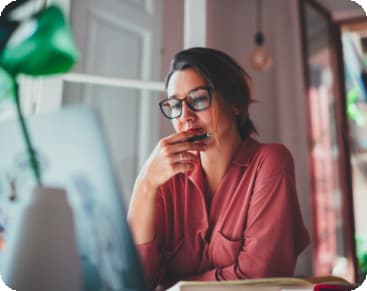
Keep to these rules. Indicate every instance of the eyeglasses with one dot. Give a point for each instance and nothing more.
(197, 100)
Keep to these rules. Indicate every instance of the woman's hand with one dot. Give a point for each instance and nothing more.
(172, 155)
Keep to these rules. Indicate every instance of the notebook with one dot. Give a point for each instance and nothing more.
(268, 284)
(73, 154)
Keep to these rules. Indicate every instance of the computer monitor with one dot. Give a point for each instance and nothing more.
(73, 154)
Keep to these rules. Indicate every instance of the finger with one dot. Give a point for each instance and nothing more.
(183, 157)
(188, 146)
(183, 167)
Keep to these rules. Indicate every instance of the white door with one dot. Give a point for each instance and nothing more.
(120, 39)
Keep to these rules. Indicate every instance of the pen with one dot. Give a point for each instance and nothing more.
(199, 137)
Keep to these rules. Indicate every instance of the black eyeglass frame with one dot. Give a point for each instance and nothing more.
(207, 88)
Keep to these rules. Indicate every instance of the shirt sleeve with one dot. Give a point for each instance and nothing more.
(275, 233)
(150, 253)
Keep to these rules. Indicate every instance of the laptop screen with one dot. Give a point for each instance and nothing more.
(73, 155)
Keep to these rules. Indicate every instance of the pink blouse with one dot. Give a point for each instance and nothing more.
(251, 228)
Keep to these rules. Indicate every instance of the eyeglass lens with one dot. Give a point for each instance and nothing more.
(197, 100)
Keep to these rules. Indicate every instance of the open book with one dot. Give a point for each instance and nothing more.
(266, 284)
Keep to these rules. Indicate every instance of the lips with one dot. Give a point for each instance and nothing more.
(196, 129)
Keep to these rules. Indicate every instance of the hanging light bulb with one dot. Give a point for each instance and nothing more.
(260, 58)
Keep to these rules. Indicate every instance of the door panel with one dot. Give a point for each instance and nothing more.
(333, 236)
(120, 39)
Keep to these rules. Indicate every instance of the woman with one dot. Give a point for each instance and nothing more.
(220, 208)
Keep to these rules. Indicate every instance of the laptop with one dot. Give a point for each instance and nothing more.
(73, 154)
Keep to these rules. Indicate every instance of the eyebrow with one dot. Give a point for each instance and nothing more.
(192, 90)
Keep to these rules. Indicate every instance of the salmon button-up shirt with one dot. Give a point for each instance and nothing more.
(251, 228)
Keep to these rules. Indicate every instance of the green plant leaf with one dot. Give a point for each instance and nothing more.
(40, 46)
(6, 85)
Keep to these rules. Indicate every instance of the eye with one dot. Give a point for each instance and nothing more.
(200, 101)
(175, 105)
(172, 105)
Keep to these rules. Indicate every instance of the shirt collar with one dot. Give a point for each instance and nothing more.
(245, 152)
(242, 157)
(196, 175)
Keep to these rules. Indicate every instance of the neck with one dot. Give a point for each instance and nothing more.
(215, 161)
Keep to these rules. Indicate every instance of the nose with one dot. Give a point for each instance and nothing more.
(187, 113)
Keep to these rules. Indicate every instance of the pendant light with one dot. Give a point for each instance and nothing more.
(260, 58)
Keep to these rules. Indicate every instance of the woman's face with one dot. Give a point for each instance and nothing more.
(181, 84)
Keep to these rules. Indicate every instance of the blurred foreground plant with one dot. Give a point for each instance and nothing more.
(38, 45)
(361, 241)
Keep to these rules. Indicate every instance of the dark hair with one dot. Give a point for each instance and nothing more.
(224, 75)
